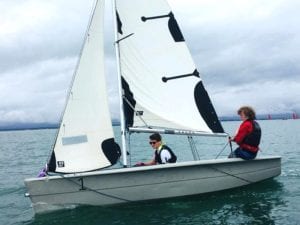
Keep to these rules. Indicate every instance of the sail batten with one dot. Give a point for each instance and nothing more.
(159, 72)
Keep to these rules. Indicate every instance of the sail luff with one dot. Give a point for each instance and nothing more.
(120, 90)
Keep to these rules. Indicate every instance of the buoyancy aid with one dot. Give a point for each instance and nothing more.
(252, 140)
(173, 158)
(254, 137)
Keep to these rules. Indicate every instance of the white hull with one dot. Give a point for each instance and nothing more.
(149, 182)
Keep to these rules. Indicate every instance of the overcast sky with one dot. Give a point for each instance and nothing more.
(247, 51)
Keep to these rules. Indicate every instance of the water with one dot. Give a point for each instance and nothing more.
(275, 201)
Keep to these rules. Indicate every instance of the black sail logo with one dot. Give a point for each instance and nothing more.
(172, 24)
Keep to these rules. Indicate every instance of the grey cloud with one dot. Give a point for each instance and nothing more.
(236, 52)
(35, 93)
(56, 37)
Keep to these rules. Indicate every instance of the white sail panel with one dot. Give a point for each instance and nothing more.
(86, 124)
(151, 48)
(149, 119)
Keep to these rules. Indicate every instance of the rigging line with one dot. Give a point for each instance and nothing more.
(228, 142)
(229, 174)
(222, 150)
(136, 112)
(129, 149)
(93, 190)
(127, 36)
(193, 148)
(193, 153)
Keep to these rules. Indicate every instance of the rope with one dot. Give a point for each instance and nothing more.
(222, 150)
(193, 148)
(230, 144)
(83, 187)
(129, 148)
(229, 174)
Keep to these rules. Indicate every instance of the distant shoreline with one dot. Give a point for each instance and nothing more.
(43, 126)
(22, 129)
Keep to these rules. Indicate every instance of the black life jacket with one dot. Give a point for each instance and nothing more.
(253, 139)
(173, 158)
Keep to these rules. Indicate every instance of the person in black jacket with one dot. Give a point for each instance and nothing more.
(162, 154)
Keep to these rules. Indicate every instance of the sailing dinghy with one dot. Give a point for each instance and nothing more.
(154, 63)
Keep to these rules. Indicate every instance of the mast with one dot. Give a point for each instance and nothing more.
(122, 117)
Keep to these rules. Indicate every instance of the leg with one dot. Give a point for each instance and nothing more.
(244, 154)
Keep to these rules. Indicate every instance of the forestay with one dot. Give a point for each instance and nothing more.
(85, 140)
(162, 86)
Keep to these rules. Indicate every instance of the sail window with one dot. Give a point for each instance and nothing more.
(74, 140)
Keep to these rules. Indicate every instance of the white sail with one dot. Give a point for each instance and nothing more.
(85, 139)
(160, 79)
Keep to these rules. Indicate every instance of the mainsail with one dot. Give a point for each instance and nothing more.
(161, 84)
(85, 140)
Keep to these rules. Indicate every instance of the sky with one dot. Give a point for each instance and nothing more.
(247, 52)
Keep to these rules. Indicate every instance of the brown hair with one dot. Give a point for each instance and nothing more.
(248, 111)
(155, 136)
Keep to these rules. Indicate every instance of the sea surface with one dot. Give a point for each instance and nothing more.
(275, 201)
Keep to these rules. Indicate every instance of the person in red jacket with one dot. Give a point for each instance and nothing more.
(248, 135)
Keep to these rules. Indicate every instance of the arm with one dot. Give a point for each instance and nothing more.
(152, 162)
(165, 156)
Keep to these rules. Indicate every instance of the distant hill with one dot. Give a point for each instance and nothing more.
(278, 116)
(116, 122)
(36, 126)
(27, 126)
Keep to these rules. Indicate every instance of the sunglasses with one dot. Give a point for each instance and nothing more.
(152, 142)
